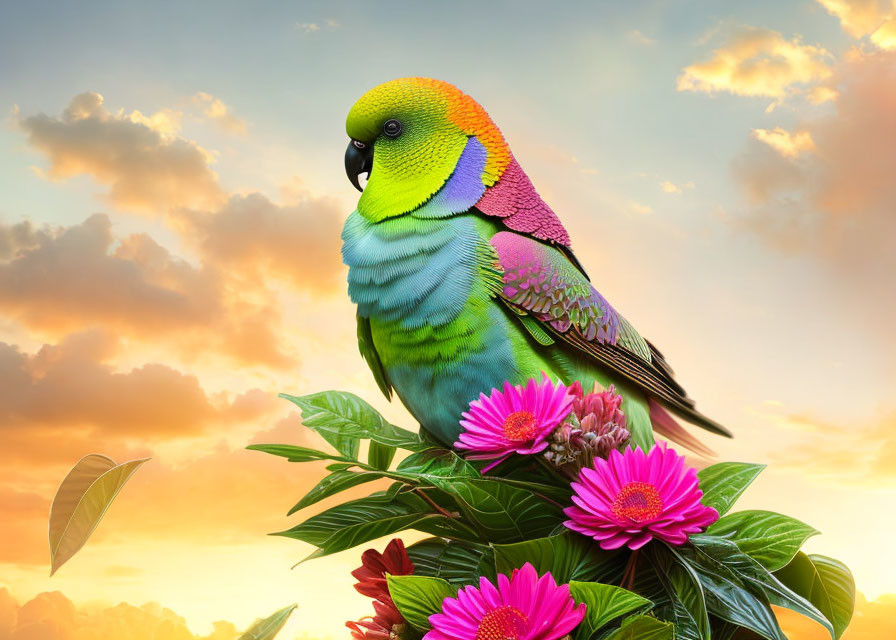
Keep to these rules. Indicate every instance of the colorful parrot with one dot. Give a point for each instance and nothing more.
(464, 277)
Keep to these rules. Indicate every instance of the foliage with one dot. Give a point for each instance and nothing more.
(720, 584)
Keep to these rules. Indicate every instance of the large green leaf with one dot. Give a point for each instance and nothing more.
(418, 597)
(353, 523)
(337, 482)
(502, 513)
(729, 596)
(268, 628)
(770, 538)
(296, 454)
(723, 483)
(343, 414)
(456, 562)
(604, 604)
(676, 591)
(756, 576)
(566, 555)
(81, 501)
(642, 628)
(826, 583)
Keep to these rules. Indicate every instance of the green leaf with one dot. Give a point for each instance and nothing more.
(353, 523)
(269, 627)
(566, 555)
(604, 603)
(502, 513)
(675, 588)
(770, 538)
(723, 483)
(336, 482)
(826, 583)
(294, 453)
(418, 597)
(757, 577)
(81, 501)
(338, 413)
(456, 562)
(379, 456)
(642, 628)
(729, 596)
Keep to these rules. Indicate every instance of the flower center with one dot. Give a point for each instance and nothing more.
(520, 426)
(503, 623)
(638, 502)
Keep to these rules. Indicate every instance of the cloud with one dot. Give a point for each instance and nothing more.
(313, 27)
(670, 187)
(838, 203)
(219, 113)
(146, 167)
(253, 236)
(855, 452)
(59, 280)
(70, 385)
(52, 616)
(757, 62)
(638, 37)
(860, 17)
(787, 144)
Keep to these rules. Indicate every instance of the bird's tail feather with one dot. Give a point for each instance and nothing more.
(665, 425)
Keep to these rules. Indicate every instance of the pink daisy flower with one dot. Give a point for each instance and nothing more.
(522, 607)
(633, 497)
(515, 420)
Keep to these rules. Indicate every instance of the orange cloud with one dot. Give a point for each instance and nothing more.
(252, 236)
(52, 616)
(63, 279)
(757, 62)
(784, 142)
(859, 18)
(837, 203)
(215, 110)
(146, 167)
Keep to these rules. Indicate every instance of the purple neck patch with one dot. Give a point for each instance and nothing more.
(463, 189)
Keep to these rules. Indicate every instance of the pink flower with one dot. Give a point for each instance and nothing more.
(523, 607)
(633, 497)
(595, 427)
(515, 420)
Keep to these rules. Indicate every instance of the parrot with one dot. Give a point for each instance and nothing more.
(464, 278)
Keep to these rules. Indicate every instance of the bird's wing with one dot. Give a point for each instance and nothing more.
(370, 355)
(540, 282)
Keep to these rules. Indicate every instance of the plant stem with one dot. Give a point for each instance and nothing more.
(628, 576)
(432, 503)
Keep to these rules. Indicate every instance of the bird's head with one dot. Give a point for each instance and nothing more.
(409, 136)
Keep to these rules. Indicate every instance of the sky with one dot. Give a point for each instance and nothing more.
(171, 198)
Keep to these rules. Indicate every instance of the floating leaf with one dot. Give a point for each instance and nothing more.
(81, 501)
(723, 483)
(418, 597)
(268, 628)
(826, 583)
(770, 538)
(604, 603)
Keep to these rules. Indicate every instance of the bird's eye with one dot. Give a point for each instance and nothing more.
(392, 128)
(358, 144)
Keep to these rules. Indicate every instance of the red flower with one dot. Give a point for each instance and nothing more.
(387, 624)
(371, 575)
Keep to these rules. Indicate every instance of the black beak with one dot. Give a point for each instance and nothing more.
(358, 160)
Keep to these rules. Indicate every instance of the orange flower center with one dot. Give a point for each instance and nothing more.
(520, 426)
(503, 623)
(638, 502)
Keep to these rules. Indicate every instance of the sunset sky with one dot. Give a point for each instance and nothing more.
(171, 198)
